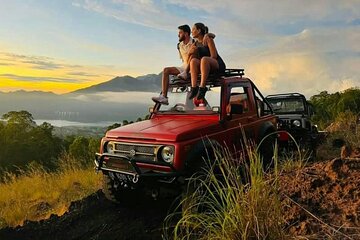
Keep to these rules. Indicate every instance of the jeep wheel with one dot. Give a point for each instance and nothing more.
(118, 194)
(266, 151)
(197, 171)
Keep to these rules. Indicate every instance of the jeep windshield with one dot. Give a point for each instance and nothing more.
(287, 105)
(179, 102)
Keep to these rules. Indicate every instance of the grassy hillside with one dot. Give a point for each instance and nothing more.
(36, 194)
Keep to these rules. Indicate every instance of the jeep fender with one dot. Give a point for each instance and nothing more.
(198, 150)
(265, 129)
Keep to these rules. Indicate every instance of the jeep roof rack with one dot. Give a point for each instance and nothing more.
(285, 95)
(213, 79)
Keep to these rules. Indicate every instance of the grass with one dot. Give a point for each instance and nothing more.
(229, 204)
(35, 194)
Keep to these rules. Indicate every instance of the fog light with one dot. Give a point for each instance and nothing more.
(297, 123)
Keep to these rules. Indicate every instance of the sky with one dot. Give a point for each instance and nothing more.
(284, 45)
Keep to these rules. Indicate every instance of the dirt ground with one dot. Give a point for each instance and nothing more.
(97, 218)
(321, 201)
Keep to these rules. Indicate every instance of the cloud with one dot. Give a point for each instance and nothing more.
(141, 12)
(83, 74)
(311, 61)
(36, 62)
(39, 72)
(39, 79)
(247, 19)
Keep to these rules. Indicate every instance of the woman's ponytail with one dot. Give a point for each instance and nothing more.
(206, 30)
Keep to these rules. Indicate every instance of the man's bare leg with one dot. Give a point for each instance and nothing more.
(165, 78)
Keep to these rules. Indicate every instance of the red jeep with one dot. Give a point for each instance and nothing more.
(161, 152)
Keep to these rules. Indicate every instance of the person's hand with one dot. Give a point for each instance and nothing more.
(192, 49)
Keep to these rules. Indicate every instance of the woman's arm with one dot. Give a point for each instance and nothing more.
(211, 44)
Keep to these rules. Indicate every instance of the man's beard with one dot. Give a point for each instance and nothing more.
(182, 38)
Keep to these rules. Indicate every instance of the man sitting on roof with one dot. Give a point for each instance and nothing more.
(185, 42)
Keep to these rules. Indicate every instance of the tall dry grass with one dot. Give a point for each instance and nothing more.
(230, 201)
(35, 194)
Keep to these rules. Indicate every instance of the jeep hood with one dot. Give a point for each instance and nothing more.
(166, 129)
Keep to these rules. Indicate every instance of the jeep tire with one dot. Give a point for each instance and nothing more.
(118, 195)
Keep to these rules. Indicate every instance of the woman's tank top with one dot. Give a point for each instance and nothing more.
(204, 51)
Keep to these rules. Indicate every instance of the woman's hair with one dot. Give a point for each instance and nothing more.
(203, 29)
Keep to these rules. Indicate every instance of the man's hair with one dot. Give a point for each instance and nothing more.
(185, 28)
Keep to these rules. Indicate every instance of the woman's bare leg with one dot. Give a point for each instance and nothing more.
(207, 64)
(194, 70)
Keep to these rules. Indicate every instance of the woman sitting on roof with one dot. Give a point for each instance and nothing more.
(209, 60)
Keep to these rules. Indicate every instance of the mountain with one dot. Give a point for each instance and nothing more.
(92, 104)
(146, 83)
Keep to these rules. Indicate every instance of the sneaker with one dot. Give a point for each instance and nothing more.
(202, 92)
(161, 99)
(194, 92)
(183, 75)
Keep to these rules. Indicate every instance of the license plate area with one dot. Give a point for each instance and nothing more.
(119, 164)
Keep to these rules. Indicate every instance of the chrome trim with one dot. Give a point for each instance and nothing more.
(119, 171)
(136, 153)
(137, 144)
(152, 155)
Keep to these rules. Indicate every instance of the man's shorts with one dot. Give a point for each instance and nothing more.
(181, 68)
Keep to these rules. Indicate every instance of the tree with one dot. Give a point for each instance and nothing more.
(115, 125)
(83, 149)
(21, 117)
(22, 141)
(79, 149)
(328, 106)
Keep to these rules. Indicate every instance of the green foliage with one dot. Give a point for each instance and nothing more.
(328, 106)
(23, 118)
(83, 149)
(22, 142)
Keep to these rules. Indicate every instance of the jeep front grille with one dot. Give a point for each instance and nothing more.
(137, 152)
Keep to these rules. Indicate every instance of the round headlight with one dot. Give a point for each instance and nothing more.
(167, 154)
(110, 146)
(297, 123)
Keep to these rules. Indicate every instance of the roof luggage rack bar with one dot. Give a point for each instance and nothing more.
(285, 94)
(213, 79)
(234, 72)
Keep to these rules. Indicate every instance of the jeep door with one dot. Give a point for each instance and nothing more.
(240, 114)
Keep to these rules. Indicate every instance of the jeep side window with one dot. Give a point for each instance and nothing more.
(262, 106)
(239, 100)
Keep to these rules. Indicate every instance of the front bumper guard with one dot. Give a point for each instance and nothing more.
(100, 158)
